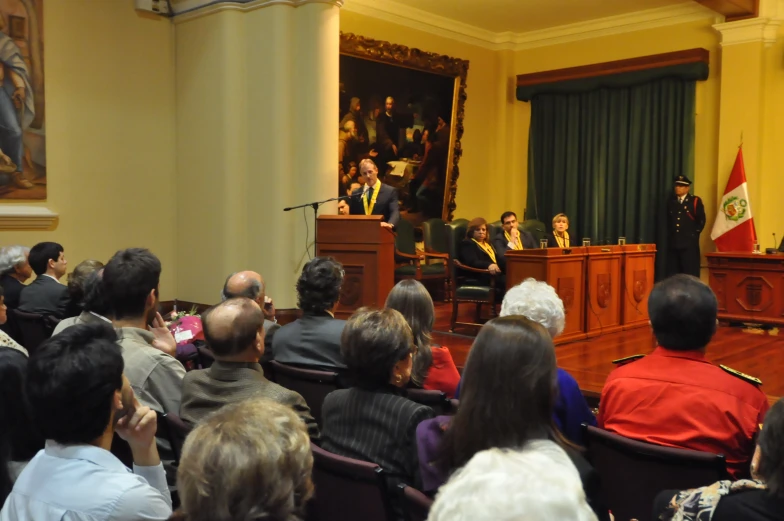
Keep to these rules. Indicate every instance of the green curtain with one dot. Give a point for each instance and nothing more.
(607, 159)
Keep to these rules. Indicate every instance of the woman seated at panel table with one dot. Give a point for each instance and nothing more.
(559, 237)
(477, 251)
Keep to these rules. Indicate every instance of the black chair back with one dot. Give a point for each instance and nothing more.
(437, 400)
(416, 505)
(313, 385)
(434, 235)
(633, 472)
(34, 328)
(174, 430)
(122, 451)
(535, 228)
(348, 489)
(405, 242)
(455, 232)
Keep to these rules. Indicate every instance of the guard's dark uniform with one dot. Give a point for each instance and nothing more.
(685, 221)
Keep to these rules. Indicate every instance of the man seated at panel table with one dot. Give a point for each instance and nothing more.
(511, 238)
(675, 397)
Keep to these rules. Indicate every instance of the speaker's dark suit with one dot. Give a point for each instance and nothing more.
(311, 341)
(501, 245)
(45, 296)
(386, 203)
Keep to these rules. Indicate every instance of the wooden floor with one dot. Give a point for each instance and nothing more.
(759, 354)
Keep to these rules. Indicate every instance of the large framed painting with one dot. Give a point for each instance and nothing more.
(403, 109)
(22, 116)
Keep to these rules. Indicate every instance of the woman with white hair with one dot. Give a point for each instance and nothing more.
(539, 302)
(488, 487)
(14, 271)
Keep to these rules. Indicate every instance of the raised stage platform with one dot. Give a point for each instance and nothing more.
(759, 354)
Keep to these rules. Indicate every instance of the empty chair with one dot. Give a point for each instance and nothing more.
(633, 472)
(312, 385)
(34, 328)
(348, 489)
(416, 505)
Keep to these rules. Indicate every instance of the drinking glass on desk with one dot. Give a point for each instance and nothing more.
(621, 241)
(586, 243)
(543, 243)
(756, 247)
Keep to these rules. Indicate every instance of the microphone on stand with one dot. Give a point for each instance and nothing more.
(775, 246)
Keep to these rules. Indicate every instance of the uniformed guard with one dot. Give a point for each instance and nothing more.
(685, 221)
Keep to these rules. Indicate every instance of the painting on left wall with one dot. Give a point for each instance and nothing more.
(22, 114)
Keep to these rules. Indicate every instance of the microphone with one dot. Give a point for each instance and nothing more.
(775, 244)
(774, 249)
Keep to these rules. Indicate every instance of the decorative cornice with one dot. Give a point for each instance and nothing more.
(753, 30)
(13, 217)
(424, 21)
(184, 10)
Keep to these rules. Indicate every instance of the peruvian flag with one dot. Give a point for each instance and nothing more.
(734, 226)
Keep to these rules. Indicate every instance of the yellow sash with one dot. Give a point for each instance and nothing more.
(369, 206)
(519, 245)
(563, 242)
(487, 249)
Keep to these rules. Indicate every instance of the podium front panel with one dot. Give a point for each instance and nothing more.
(603, 290)
(566, 275)
(638, 275)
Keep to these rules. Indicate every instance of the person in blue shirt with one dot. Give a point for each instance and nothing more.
(539, 302)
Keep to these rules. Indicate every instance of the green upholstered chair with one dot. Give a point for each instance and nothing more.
(436, 249)
(464, 279)
(411, 264)
(535, 228)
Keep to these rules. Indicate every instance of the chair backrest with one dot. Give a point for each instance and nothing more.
(493, 229)
(206, 356)
(404, 238)
(437, 400)
(34, 328)
(633, 472)
(348, 489)
(535, 228)
(434, 235)
(455, 232)
(122, 450)
(174, 430)
(416, 505)
(313, 385)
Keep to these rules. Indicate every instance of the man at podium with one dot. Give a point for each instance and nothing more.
(375, 198)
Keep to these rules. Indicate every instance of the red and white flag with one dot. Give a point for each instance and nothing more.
(734, 226)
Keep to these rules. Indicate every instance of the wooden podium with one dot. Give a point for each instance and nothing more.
(639, 268)
(367, 252)
(603, 290)
(748, 286)
(563, 271)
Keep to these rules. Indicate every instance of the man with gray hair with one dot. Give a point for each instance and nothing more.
(14, 271)
(250, 284)
(537, 483)
(538, 301)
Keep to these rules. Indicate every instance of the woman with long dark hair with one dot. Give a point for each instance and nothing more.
(433, 367)
(507, 397)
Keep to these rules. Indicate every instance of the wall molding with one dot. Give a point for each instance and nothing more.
(27, 218)
(749, 31)
(421, 20)
(185, 10)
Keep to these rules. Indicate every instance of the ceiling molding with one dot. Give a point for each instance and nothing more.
(184, 10)
(14, 217)
(424, 21)
(749, 31)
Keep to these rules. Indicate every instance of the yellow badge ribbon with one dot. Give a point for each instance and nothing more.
(519, 245)
(563, 242)
(369, 206)
(487, 249)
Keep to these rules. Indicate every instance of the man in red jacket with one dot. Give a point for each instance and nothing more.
(675, 397)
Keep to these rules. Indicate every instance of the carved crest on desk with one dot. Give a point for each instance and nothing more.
(352, 289)
(639, 285)
(566, 292)
(755, 293)
(603, 289)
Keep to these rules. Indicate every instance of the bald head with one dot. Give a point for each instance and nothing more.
(248, 284)
(234, 329)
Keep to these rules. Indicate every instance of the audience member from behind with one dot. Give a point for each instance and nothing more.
(80, 398)
(507, 398)
(314, 340)
(5, 339)
(675, 397)
(76, 281)
(262, 452)
(250, 284)
(95, 308)
(373, 420)
(234, 330)
(131, 280)
(19, 438)
(758, 499)
(45, 295)
(489, 487)
(14, 271)
(433, 366)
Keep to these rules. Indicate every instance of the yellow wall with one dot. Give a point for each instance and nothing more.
(110, 133)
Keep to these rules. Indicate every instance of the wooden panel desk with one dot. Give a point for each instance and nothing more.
(603, 290)
(638, 276)
(366, 251)
(563, 271)
(748, 286)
